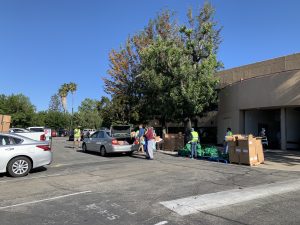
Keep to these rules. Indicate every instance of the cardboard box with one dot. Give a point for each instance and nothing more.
(260, 151)
(173, 142)
(234, 155)
(246, 150)
(4, 123)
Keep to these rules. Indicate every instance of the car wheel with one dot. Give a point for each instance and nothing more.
(19, 166)
(129, 153)
(84, 148)
(102, 151)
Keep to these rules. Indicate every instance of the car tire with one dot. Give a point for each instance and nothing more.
(103, 151)
(129, 153)
(84, 148)
(19, 166)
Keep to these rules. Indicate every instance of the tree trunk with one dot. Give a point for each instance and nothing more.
(187, 129)
(64, 103)
(187, 124)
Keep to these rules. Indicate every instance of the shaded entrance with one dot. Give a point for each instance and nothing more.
(293, 128)
(269, 119)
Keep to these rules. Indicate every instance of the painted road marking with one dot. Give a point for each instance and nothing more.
(44, 200)
(109, 210)
(29, 178)
(161, 223)
(194, 204)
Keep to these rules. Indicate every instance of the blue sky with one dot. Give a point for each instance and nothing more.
(46, 43)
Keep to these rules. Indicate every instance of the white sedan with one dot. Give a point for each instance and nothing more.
(18, 154)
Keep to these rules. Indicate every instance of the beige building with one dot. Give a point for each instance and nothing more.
(262, 95)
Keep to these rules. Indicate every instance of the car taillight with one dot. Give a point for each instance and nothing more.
(114, 142)
(43, 137)
(44, 147)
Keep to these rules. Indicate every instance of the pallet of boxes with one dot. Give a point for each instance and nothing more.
(4, 123)
(173, 142)
(245, 149)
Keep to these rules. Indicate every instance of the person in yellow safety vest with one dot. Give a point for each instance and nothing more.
(77, 137)
(194, 142)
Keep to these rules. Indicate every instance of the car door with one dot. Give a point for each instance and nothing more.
(94, 141)
(98, 141)
(8, 149)
(91, 143)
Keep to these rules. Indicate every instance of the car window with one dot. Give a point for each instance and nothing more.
(6, 140)
(101, 134)
(37, 129)
(94, 135)
(17, 141)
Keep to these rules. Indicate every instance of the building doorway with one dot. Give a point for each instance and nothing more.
(293, 128)
(269, 119)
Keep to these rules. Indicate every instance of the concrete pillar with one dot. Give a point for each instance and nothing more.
(283, 128)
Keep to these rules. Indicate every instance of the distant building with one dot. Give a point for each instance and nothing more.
(262, 95)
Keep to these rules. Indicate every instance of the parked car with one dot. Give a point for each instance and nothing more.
(71, 136)
(53, 133)
(36, 129)
(35, 135)
(62, 132)
(115, 140)
(20, 154)
(18, 130)
(88, 131)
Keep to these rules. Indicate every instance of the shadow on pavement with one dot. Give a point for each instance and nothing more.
(38, 170)
(288, 158)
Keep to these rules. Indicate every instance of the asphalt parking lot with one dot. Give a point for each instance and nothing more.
(84, 188)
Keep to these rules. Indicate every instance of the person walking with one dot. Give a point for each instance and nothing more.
(194, 142)
(77, 137)
(150, 142)
(141, 133)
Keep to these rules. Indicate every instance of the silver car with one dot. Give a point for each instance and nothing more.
(116, 140)
(20, 154)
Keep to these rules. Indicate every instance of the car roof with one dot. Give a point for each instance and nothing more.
(21, 137)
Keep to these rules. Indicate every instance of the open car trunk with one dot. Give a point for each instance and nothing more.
(122, 134)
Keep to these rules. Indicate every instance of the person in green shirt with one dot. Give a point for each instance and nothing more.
(77, 137)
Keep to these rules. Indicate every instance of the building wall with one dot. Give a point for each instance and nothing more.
(275, 90)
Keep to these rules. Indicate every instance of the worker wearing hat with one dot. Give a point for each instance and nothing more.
(77, 137)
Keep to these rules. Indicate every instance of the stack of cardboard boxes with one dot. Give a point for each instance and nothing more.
(173, 142)
(4, 123)
(244, 149)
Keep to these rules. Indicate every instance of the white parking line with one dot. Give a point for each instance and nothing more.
(28, 178)
(194, 204)
(161, 223)
(44, 200)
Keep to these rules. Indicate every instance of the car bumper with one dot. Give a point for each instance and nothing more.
(124, 148)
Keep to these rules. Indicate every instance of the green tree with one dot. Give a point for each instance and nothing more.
(19, 107)
(167, 70)
(56, 120)
(55, 103)
(38, 118)
(124, 83)
(88, 115)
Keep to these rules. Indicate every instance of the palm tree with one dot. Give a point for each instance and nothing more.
(72, 87)
(63, 93)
